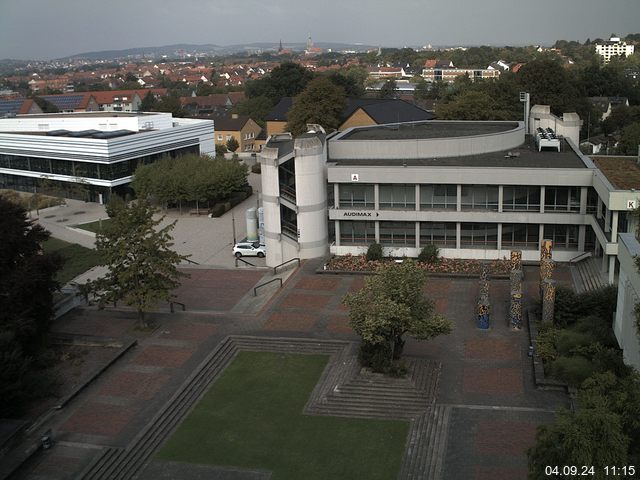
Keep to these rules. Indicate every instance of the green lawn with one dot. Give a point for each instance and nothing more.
(94, 226)
(252, 418)
(77, 259)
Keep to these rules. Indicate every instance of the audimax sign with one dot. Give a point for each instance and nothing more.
(357, 213)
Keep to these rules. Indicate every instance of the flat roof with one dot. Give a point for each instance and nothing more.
(622, 172)
(88, 114)
(525, 156)
(429, 129)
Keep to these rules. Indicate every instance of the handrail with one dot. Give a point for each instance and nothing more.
(284, 263)
(255, 290)
(243, 261)
(580, 257)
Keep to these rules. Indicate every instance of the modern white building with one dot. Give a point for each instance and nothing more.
(99, 150)
(614, 47)
(474, 189)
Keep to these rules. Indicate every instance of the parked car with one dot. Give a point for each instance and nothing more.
(248, 249)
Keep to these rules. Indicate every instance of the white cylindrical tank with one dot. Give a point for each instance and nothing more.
(252, 225)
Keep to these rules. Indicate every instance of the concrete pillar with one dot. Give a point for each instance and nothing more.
(417, 234)
(377, 231)
(540, 235)
(607, 220)
(458, 230)
(599, 206)
(500, 199)
(337, 230)
(336, 195)
(458, 199)
(417, 197)
(542, 190)
(499, 245)
(583, 200)
(582, 235)
(614, 226)
(612, 269)
(376, 196)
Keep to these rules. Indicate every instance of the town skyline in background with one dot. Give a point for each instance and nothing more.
(71, 29)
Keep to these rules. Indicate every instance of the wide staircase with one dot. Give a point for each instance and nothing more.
(587, 274)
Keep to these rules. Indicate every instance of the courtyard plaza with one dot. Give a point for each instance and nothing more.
(480, 414)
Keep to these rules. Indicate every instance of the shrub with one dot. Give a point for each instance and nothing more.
(429, 254)
(374, 252)
(568, 341)
(573, 370)
(569, 306)
(217, 210)
(546, 343)
(598, 327)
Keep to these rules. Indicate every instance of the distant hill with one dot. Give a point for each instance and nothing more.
(207, 49)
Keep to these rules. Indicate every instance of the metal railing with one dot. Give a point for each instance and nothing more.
(172, 303)
(255, 290)
(285, 263)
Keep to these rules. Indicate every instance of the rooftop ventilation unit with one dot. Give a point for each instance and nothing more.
(546, 138)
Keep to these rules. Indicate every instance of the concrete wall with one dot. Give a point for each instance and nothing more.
(268, 159)
(428, 147)
(628, 295)
(568, 126)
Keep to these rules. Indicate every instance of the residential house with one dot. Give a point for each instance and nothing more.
(614, 47)
(447, 72)
(73, 102)
(605, 105)
(216, 103)
(18, 106)
(124, 100)
(240, 127)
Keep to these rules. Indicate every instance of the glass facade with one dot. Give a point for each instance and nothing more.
(438, 197)
(398, 196)
(564, 237)
(357, 196)
(439, 234)
(520, 198)
(520, 235)
(357, 233)
(398, 234)
(562, 199)
(479, 235)
(479, 197)
(95, 170)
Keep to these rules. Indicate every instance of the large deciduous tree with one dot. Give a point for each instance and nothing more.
(26, 305)
(321, 102)
(393, 304)
(142, 267)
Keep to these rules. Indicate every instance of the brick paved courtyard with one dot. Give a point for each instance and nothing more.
(486, 376)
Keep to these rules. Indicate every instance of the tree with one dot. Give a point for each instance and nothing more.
(390, 305)
(220, 150)
(285, 80)
(472, 105)
(27, 285)
(232, 144)
(142, 267)
(257, 108)
(149, 103)
(321, 102)
(389, 89)
(630, 140)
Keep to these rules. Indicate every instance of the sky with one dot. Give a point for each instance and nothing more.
(48, 29)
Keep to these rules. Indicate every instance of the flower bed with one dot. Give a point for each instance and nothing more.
(359, 263)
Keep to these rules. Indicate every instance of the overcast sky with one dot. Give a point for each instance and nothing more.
(46, 29)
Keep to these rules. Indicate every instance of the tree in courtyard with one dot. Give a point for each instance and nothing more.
(142, 267)
(391, 305)
(232, 144)
(27, 285)
(321, 102)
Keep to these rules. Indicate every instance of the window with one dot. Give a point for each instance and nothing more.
(479, 235)
(520, 198)
(564, 237)
(398, 234)
(398, 196)
(479, 197)
(439, 234)
(357, 233)
(220, 138)
(438, 197)
(522, 235)
(562, 199)
(356, 196)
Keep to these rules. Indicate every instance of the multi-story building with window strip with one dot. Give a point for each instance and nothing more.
(99, 151)
(474, 189)
(614, 47)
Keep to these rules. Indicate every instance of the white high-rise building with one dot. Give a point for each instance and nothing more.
(614, 48)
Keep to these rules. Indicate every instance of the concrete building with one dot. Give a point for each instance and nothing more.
(474, 189)
(98, 151)
(614, 47)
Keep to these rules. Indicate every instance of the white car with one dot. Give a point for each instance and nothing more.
(248, 249)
